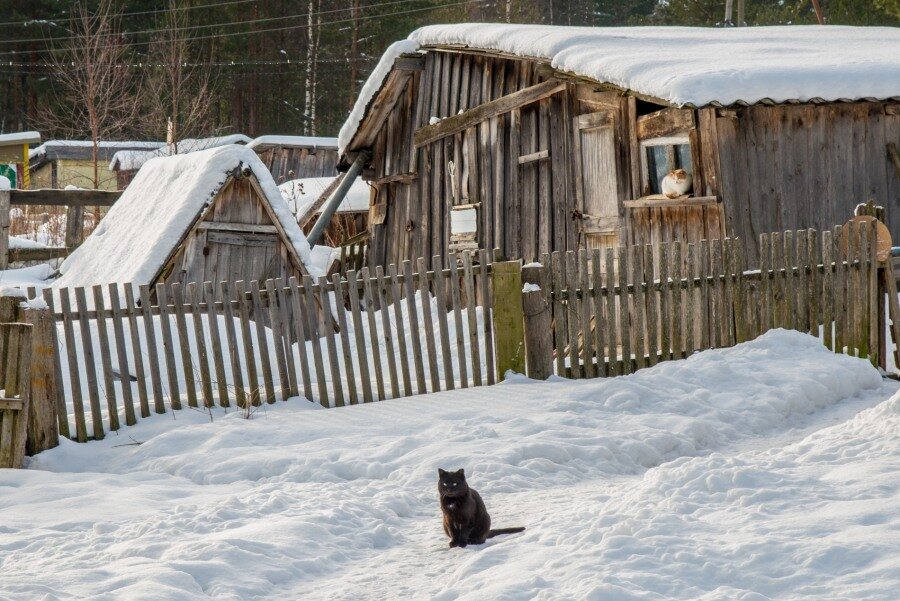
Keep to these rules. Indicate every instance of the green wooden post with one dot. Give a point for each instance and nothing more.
(508, 318)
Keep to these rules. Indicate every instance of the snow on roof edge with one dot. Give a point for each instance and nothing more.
(685, 66)
(300, 141)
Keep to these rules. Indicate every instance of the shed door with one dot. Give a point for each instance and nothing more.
(596, 185)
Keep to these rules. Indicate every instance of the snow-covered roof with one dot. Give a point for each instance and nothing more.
(53, 149)
(685, 66)
(129, 160)
(300, 193)
(294, 141)
(22, 137)
(166, 197)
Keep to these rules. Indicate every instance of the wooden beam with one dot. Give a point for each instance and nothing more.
(397, 178)
(37, 254)
(540, 155)
(379, 109)
(463, 121)
(223, 226)
(65, 198)
(410, 62)
(665, 123)
(11, 404)
(661, 203)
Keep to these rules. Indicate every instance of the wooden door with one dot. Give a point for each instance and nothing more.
(596, 181)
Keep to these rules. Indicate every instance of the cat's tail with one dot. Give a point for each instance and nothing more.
(494, 533)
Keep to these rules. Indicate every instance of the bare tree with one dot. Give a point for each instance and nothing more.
(178, 91)
(92, 83)
(312, 51)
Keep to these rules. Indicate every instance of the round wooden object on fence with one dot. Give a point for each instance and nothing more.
(883, 236)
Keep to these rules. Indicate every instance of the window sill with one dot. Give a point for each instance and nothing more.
(658, 201)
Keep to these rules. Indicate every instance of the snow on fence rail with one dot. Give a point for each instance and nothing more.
(363, 338)
(609, 314)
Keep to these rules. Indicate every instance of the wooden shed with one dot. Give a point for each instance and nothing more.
(297, 157)
(536, 138)
(213, 215)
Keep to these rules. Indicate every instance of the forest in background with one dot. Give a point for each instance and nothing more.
(272, 66)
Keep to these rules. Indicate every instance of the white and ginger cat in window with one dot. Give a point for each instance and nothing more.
(677, 183)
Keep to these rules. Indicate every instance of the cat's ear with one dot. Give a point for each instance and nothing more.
(441, 473)
(461, 473)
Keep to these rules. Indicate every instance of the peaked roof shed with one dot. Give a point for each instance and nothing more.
(213, 215)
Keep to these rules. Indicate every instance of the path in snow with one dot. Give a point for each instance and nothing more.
(739, 473)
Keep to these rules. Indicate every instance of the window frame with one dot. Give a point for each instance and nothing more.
(671, 140)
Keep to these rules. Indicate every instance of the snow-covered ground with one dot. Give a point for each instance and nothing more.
(765, 471)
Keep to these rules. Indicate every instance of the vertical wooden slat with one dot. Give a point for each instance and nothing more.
(779, 313)
(416, 334)
(718, 292)
(441, 300)
(168, 355)
(597, 306)
(425, 299)
(62, 414)
(311, 322)
(470, 291)
(486, 310)
(677, 313)
(638, 280)
(573, 316)
(693, 316)
(282, 294)
(359, 335)
(650, 300)
(137, 352)
(262, 341)
(790, 280)
(557, 269)
(815, 282)
(766, 283)
(728, 290)
(373, 332)
(458, 322)
(875, 332)
(301, 328)
(234, 356)
(587, 338)
(337, 387)
(387, 331)
(190, 384)
(212, 318)
(193, 299)
(625, 311)
(861, 289)
(89, 364)
(74, 370)
(612, 321)
(252, 395)
(838, 302)
(706, 336)
(665, 303)
(827, 289)
(277, 339)
(349, 371)
(802, 287)
(741, 294)
(396, 297)
(122, 354)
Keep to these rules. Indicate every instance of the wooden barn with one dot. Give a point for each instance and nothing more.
(213, 215)
(297, 157)
(535, 138)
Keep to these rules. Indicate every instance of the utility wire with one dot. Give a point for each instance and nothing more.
(132, 14)
(285, 28)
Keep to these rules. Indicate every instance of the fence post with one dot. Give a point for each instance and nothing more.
(4, 229)
(74, 226)
(15, 359)
(509, 334)
(537, 321)
(46, 394)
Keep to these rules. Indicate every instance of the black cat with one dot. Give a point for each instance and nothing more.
(466, 520)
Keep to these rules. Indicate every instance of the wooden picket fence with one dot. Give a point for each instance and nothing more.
(605, 314)
(337, 341)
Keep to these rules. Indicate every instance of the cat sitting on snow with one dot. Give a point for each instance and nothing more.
(466, 520)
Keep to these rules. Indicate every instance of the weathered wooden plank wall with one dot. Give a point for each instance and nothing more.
(803, 166)
(287, 163)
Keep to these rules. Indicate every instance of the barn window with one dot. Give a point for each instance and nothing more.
(464, 227)
(659, 156)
